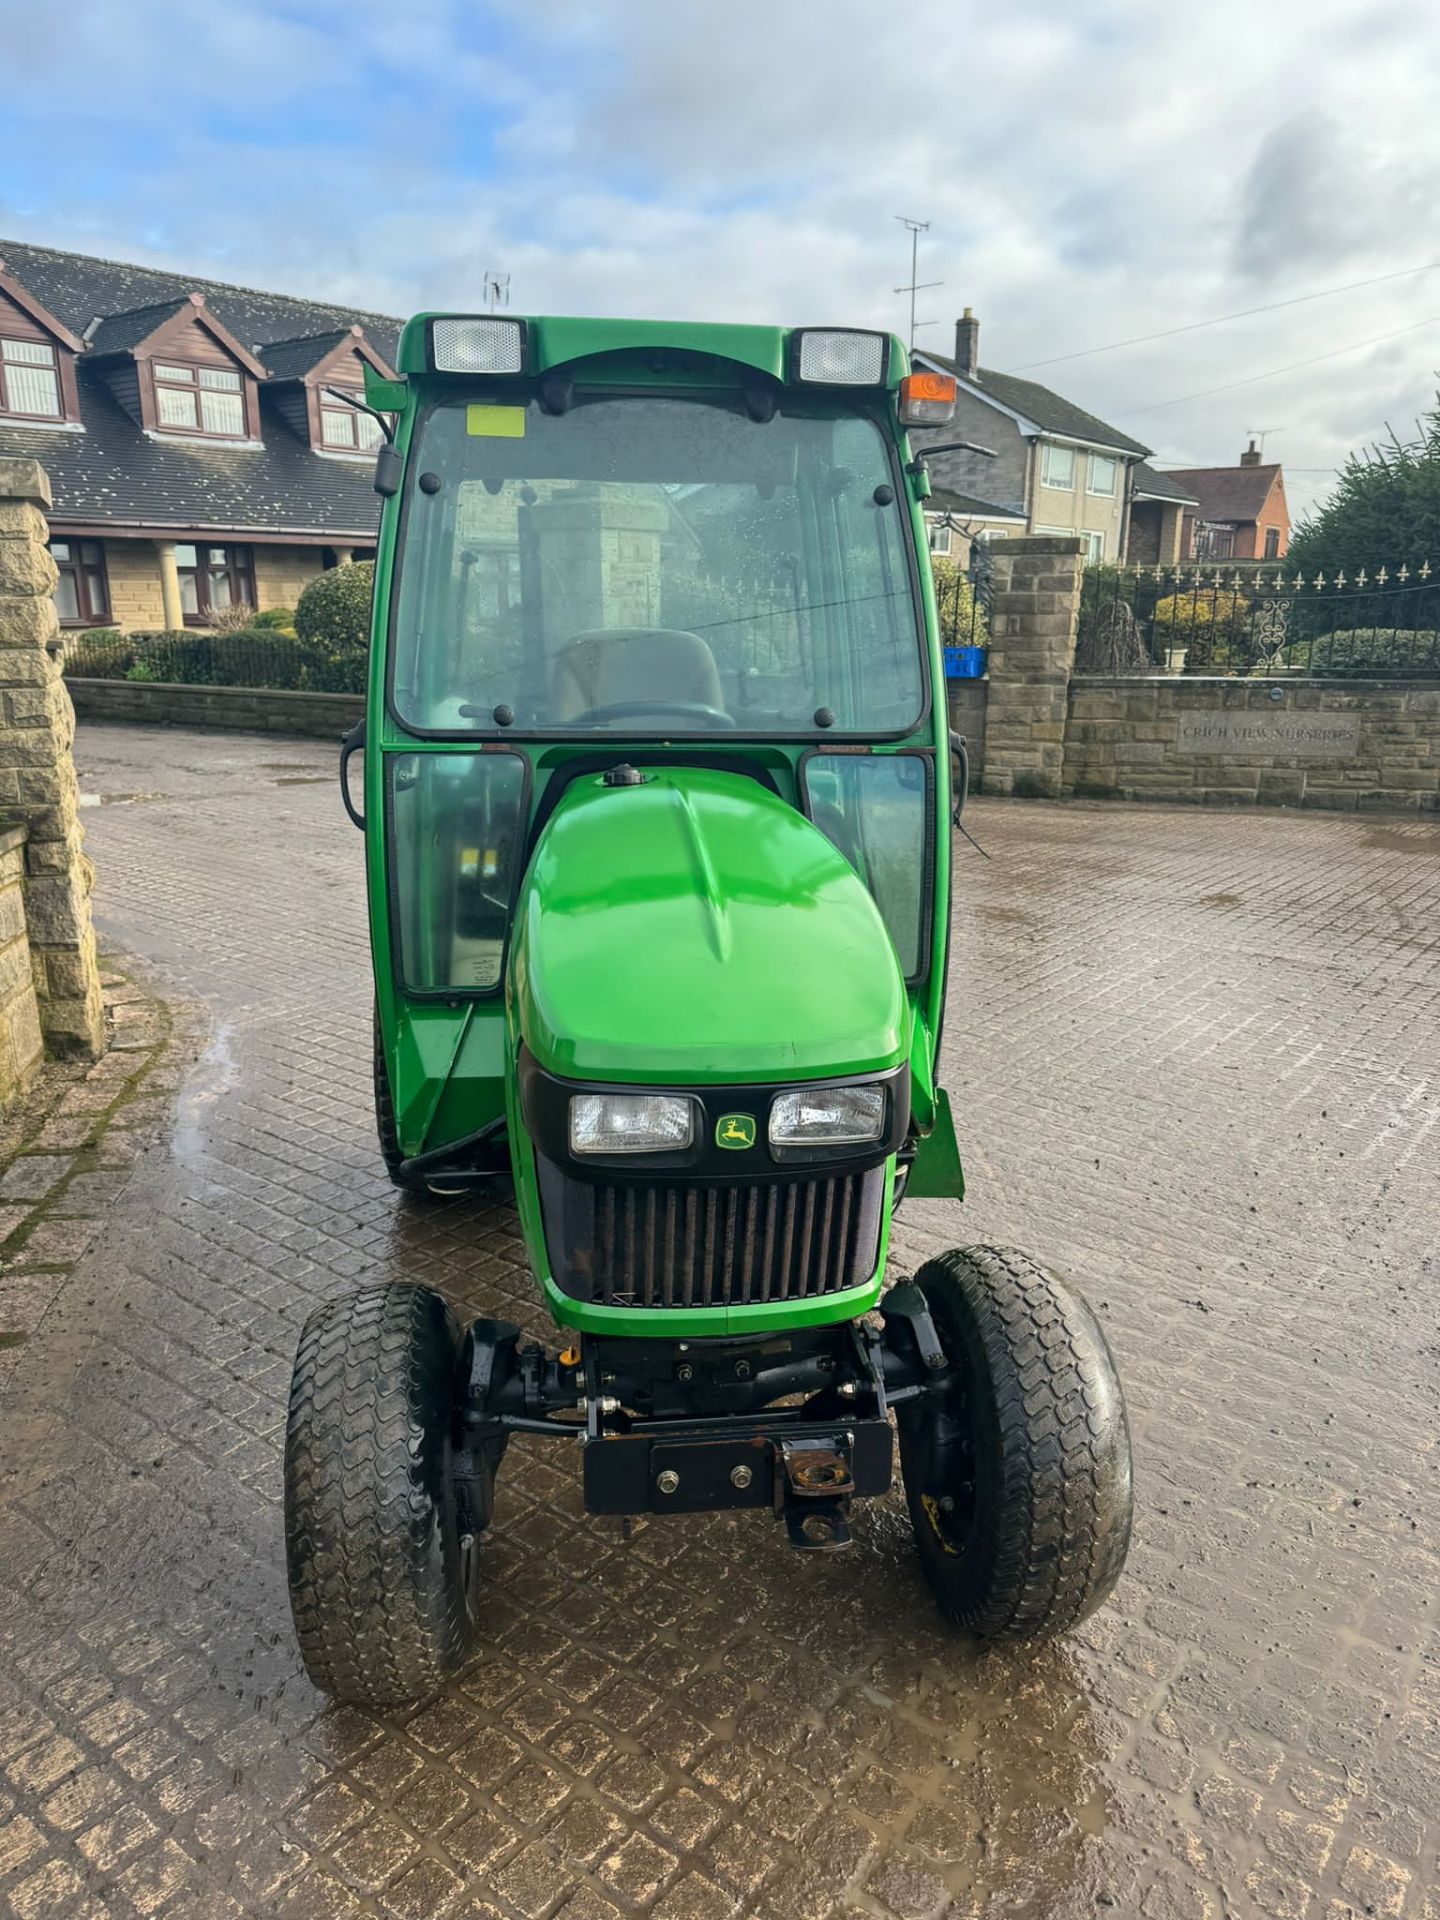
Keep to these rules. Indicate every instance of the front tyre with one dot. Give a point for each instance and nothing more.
(380, 1544)
(1017, 1468)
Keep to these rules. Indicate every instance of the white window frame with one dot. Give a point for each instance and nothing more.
(1057, 533)
(936, 531)
(1095, 460)
(1052, 449)
(363, 431)
(1095, 545)
(209, 389)
(19, 358)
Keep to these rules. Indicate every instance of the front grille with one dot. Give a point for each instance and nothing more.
(677, 1245)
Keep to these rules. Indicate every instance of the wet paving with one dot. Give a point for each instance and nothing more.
(1194, 1059)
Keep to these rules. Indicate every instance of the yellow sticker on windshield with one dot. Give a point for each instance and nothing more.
(496, 423)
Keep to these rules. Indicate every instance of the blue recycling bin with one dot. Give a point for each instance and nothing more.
(964, 663)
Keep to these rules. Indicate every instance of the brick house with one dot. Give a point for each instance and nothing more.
(1055, 468)
(198, 459)
(1239, 512)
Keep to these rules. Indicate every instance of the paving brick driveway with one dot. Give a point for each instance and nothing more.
(1194, 1060)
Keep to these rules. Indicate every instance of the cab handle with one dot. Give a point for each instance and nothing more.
(351, 743)
(959, 775)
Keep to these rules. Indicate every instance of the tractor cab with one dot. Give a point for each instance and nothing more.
(657, 806)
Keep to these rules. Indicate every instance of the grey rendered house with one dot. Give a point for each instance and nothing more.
(197, 457)
(1056, 468)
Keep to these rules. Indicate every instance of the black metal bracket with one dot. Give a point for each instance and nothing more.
(905, 1306)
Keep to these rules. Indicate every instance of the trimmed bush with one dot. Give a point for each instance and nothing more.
(1211, 624)
(1354, 653)
(333, 613)
(273, 620)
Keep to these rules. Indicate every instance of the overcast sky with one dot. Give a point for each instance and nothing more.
(1092, 170)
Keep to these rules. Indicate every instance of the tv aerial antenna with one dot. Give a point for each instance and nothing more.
(497, 289)
(916, 285)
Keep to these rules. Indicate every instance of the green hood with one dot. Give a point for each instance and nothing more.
(697, 929)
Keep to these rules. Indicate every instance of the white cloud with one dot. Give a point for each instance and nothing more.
(1091, 171)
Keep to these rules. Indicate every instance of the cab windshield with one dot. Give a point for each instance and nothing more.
(653, 565)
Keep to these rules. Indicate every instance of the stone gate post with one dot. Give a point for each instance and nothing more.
(37, 774)
(1034, 613)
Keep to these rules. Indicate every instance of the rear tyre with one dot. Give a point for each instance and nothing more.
(1017, 1471)
(381, 1538)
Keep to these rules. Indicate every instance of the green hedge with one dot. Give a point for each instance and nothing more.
(251, 657)
(1356, 653)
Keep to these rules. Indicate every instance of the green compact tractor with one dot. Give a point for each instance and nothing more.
(658, 795)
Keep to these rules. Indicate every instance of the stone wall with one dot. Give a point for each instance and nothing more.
(136, 602)
(21, 1047)
(37, 775)
(967, 700)
(283, 573)
(320, 716)
(1368, 745)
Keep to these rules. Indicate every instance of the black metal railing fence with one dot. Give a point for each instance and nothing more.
(1259, 620)
(962, 599)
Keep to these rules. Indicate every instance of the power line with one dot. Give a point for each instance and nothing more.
(1247, 313)
(1295, 366)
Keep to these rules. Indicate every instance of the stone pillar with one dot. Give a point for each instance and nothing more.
(1034, 611)
(37, 773)
(170, 587)
(601, 557)
(344, 556)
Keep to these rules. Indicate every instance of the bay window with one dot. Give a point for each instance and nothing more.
(82, 595)
(212, 580)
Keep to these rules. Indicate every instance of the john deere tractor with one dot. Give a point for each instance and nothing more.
(658, 791)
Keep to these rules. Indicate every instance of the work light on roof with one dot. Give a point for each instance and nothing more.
(478, 346)
(828, 357)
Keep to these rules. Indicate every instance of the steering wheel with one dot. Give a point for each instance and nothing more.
(646, 709)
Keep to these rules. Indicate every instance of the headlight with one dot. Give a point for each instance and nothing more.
(630, 1123)
(833, 357)
(828, 1117)
(478, 346)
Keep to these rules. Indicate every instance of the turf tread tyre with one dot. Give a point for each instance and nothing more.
(377, 1579)
(1046, 1419)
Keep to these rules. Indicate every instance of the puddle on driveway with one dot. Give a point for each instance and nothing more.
(117, 799)
(213, 1075)
(1422, 837)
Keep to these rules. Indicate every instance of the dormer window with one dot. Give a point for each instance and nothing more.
(37, 360)
(346, 429)
(206, 400)
(29, 380)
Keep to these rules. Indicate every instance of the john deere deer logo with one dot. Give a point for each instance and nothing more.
(735, 1130)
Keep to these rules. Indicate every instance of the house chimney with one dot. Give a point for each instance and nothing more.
(1251, 456)
(967, 346)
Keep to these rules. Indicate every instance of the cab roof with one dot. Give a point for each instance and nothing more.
(556, 340)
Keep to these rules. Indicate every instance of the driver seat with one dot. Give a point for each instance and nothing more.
(613, 666)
